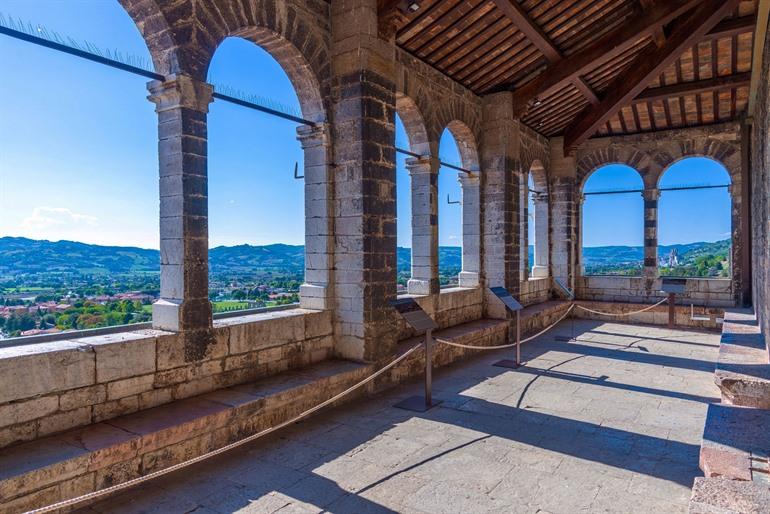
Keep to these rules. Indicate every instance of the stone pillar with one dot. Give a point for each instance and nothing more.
(524, 222)
(565, 220)
(423, 175)
(499, 156)
(651, 197)
(470, 184)
(182, 105)
(363, 106)
(315, 293)
(542, 257)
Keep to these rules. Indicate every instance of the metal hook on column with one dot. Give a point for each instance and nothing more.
(450, 202)
(296, 171)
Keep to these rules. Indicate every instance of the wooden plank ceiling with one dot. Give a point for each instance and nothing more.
(582, 68)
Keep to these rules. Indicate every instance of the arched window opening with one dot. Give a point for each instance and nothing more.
(695, 241)
(256, 204)
(450, 212)
(613, 222)
(78, 178)
(538, 222)
(403, 211)
(526, 225)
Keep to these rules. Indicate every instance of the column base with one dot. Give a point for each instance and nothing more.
(468, 279)
(314, 297)
(539, 272)
(418, 287)
(166, 315)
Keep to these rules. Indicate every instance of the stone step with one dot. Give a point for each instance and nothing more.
(736, 443)
(48, 470)
(742, 370)
(724, 496)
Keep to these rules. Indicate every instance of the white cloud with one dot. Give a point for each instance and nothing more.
(44, 218)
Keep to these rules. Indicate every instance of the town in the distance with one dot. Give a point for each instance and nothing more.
(49, 287)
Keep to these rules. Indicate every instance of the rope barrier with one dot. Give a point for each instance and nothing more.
(195, 460)
(502, 346)
(622, 313)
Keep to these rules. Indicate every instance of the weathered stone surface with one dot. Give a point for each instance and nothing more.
(723, 496)
(122, 355)
(735, 442)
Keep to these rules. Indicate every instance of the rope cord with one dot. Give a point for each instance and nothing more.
(500, 347)
(175, 467)
(622, 313)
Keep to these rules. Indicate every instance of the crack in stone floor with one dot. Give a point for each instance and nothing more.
(609, 423)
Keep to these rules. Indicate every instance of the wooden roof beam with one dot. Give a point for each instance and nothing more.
(652, 94)
(658, 35)
(522, 21)
(646, 67)
(612, 44)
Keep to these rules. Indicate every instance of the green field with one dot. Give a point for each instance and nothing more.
(229, 305)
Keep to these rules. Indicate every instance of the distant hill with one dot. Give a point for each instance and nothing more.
(20, 255)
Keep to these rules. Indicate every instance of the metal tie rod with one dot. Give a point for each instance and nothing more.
(444, 164)
(678, 188)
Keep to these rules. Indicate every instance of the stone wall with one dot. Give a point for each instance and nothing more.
(705, 292)
(51, 387)
(760, 195)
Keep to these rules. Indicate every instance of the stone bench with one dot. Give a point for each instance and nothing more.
(723, 496)
(48, 470)
(742, 370)
(736, 443)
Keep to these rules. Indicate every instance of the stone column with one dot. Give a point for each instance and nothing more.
(499, 155)
(182, 105)
(542, 257)
(470, 184)
(651, 197)
(524, 226)
(565, 208)
(315, 293)
(423, 174)
(363, 100)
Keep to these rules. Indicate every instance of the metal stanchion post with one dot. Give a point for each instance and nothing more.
(671, 309)
(428, 369)
(518, 339)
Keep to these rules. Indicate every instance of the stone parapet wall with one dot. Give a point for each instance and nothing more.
(701, 292)
(535, 290)
(655, 316)
(50, 387)
(449, 308)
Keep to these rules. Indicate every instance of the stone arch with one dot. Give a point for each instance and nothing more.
(642, 162)
(466, 144)
(156, 32)
(722, 153)
(414, 123)
(539, 268)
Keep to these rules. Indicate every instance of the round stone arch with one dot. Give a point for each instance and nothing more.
(642, 162)
(729, 157)
(414, 124)
(157, 33)
(287, 33)
(471, 202)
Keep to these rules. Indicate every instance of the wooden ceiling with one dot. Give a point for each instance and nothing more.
(581, 68)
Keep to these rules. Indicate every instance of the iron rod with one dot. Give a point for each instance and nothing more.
(682, 188)
(80, 53)
(445, 164)
(261, 108)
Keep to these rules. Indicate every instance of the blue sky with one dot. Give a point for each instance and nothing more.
(78, 151)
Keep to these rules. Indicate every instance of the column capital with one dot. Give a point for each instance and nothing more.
(419, 165)
(651, 194)
(540, 198)
(469, 179)
(315, 135)
(180, 91)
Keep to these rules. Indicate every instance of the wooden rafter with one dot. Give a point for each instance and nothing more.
(609, 46)
(658, 35)
(653, 94)
(521, 19)
(647, 66)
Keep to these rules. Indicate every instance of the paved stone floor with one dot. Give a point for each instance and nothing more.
(610, 423)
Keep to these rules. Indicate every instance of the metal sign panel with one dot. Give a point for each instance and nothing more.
(413, 314)
(674, 285)
(510, 302)
(566, 291)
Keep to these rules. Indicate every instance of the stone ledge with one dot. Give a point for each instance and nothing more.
(736, 443)
(723, 496)
(48, 470)
(742, 370)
